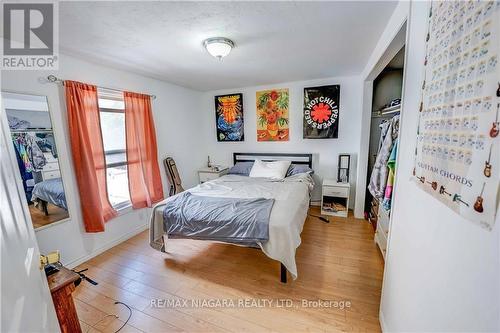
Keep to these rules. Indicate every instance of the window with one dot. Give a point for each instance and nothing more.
(112, 115)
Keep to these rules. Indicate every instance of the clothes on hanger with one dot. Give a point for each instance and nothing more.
(47, 143)
(29, 151)
(20, 145)
(378, 179)
(37, 158)
(384, 127)
(391, 164)
(25, 175)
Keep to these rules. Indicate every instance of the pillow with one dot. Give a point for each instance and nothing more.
(273, 170)
(241, 168)
(298, 168)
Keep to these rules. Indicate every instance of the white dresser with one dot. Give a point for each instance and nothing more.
(335, 198)
(51, 169)
(206, 174)
(382, 231)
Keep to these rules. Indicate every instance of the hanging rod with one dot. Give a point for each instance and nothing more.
(31, 130)
(379, 114)
(55, 79)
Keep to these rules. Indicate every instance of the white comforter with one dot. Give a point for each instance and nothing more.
(287, 215)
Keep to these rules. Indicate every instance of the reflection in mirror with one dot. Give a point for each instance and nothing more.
(37, 157)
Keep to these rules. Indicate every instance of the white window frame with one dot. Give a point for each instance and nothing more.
(125, 204)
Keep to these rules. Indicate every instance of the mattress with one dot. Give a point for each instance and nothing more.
(291, 203)
(51, 191)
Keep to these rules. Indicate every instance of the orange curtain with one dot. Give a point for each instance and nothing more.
(142, 153)
(88, 154)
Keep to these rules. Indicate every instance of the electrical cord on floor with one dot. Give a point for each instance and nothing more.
(113, 315)
(129, 315)
(324, 219)
(102, 319)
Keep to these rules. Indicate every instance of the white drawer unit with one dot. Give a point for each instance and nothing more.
(51, 174)
(336, 191)
(383, 220)
(381, 240)
(51, 169)
(207, 174)
(335, 198)
(382, 232)
(51, 166)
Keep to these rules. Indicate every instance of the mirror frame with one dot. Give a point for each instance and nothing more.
(56, 135)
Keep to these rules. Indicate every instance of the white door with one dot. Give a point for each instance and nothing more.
(26, 304)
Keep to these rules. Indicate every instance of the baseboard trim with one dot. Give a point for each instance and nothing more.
(107, 246)
(381, 320)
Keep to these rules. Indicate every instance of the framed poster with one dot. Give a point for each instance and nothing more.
(321, 112)
(457, 156)
(272, 115)
(229, 117)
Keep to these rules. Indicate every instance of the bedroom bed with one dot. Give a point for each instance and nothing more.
(278, 238)
(49, 191)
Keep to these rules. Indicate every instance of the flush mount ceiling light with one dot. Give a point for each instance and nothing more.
(218, 47)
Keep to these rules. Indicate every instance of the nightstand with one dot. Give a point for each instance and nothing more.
(335, 198)
(206, 174)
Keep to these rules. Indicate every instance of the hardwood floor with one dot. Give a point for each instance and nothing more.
(39, 219)
(336, 262)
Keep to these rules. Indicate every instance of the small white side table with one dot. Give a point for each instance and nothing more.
(335, 198)
(206, 174)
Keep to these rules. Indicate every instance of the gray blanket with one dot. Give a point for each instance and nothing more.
(51, 191)
(232, 220)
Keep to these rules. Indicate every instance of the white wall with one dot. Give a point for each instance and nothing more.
(325, 150)
(442, 272)
(387, 87)
(174, 109)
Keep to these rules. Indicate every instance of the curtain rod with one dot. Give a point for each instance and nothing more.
(55, 79)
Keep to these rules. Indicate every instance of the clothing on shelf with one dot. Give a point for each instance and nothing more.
(16, 123)
(391, 164)
(378, 179)
(394, 104)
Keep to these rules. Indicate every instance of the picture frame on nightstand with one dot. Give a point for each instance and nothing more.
(344, 166)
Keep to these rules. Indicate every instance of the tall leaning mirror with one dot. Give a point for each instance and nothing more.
(37, 157)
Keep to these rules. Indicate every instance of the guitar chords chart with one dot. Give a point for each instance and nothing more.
(457, 157)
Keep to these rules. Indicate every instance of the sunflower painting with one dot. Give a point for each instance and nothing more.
(229, 117)
(272, 115)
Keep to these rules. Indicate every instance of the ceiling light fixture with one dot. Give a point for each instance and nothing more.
(218, 47)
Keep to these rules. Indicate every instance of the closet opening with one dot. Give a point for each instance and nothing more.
(383, 146)
(382, 105)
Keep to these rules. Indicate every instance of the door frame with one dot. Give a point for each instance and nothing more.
(398, 40)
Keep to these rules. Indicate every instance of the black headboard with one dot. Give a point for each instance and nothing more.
(294, 158)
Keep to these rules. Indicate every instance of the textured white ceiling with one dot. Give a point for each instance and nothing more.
(275, 41)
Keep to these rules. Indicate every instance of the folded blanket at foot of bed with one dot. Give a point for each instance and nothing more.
(232, 220)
